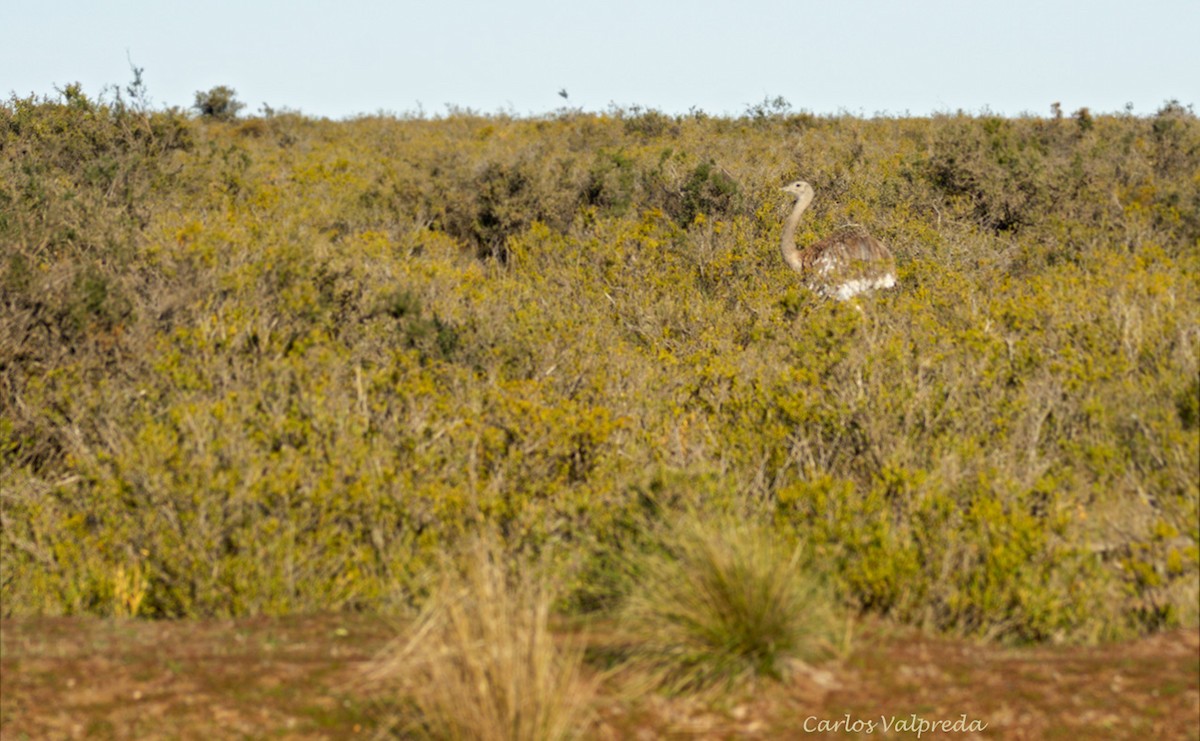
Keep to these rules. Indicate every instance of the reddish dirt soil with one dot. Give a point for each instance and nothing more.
(302, 678)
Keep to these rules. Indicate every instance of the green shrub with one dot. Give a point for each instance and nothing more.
(709, 190)
(219, 103)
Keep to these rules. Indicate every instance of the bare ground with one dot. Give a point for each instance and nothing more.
(301, 678)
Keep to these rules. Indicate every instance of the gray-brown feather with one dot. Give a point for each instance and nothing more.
(849, 253)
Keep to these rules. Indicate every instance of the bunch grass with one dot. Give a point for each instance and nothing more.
(727, 600)
(481, 661)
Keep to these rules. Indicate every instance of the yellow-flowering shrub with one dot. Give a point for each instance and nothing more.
(280, 365)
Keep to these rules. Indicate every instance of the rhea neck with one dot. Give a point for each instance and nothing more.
(787, 245)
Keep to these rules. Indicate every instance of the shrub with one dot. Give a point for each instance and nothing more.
(76, 175)
(219, 103)
(710, 191)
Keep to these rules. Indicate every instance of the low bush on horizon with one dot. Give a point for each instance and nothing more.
(273, 364)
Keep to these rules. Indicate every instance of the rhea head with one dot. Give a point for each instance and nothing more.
(800, 189)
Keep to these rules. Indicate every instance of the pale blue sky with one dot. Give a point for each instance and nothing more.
(348, 57)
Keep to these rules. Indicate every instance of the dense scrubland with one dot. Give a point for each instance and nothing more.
(275, 364)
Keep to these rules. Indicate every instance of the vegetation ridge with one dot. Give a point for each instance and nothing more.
(273, 364)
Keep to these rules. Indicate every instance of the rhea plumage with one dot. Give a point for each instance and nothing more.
(844, 264)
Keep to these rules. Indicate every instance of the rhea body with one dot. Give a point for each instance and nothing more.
(843, 265)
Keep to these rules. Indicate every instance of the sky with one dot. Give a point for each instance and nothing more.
(865, 57)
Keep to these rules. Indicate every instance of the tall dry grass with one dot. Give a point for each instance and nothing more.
(481, 662)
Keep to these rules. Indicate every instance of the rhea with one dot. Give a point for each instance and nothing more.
(843, 265)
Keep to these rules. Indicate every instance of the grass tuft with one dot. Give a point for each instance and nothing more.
(726, 602)
(481, 662)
